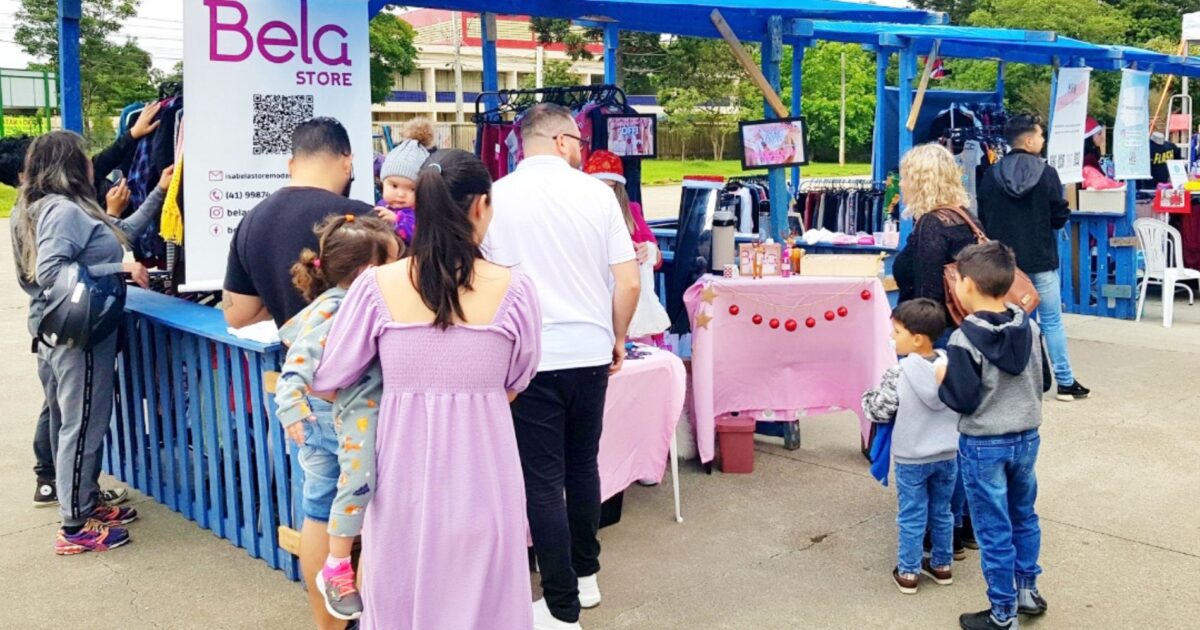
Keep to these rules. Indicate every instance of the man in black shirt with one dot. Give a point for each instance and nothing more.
(1162, 151)
(258, 278)
(1021, 204)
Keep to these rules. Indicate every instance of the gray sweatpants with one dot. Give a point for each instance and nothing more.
(79, 391)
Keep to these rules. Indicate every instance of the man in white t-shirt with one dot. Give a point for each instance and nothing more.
(565, 230)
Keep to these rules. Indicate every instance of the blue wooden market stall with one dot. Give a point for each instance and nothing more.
(193, 426)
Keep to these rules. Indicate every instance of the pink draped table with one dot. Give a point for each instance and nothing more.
(819, 343)
(644, 402)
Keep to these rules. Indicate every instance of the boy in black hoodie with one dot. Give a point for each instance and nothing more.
(1021, 204)
(996, 375)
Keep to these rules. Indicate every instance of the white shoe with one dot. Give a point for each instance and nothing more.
(589, 591)
(543, 620)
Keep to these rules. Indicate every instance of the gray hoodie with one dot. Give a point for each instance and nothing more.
(926, 429)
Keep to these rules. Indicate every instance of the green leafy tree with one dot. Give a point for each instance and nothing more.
(639, 55)
(392, 53)
(555, 73)
(1150, 19)
(958, 10)
(111, 74)
(700, 83)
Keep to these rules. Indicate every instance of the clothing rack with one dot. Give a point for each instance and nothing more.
(826, 184)
(492, 106)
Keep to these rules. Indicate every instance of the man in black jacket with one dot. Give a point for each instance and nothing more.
(1021, 204)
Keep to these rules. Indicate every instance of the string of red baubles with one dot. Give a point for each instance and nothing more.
(791, 325)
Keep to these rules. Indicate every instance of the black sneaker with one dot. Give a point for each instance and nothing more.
(1030, 602)
(960, 548)
(983, 620)
(1074, 391)
(45, 495)
(966, 537)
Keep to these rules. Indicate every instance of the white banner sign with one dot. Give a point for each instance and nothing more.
(254, 69)
(1191, 27)
(1131, 133)
(1065, 149)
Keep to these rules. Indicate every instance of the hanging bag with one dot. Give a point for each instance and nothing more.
(1022, 293)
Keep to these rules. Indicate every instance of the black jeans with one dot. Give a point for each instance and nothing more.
(558, 422)
(43, 452)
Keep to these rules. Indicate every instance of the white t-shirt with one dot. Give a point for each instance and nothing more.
(564, 230)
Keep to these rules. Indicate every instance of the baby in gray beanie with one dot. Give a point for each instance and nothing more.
(399, 176)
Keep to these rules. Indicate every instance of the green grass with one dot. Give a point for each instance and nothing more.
(8, 196)
(664, 172)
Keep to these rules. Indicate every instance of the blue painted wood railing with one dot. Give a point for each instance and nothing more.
(192, 425)
(1098, 269)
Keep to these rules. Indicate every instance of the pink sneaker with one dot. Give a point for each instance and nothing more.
(95, 536)
(341, 597)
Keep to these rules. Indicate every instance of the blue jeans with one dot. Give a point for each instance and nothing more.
(318, 457)
(1050, 317)
(958, 500)
(923, 496)
(1002, 489)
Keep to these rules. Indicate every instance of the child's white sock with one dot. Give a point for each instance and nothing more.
(333, 563)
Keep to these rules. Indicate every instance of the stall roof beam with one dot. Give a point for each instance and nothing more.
(747, 18)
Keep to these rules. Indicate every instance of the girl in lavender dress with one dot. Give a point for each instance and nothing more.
(458, 338)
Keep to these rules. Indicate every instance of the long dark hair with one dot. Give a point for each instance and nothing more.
(443, 248)
(55, 164)
(348, 243)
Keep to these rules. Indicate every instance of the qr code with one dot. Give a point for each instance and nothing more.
(275, 118)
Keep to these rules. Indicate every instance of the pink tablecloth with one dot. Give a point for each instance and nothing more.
(740, 366)
(644, 401)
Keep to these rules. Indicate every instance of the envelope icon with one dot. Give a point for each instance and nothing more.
(216, 176)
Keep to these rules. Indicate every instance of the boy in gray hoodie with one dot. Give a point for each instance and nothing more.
(996, 375)
(924, 444)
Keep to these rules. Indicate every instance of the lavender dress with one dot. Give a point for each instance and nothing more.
(444, 537)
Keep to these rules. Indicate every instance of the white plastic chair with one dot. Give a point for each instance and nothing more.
(1162, 249)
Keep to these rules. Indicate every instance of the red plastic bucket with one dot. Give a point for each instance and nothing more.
(735, 434)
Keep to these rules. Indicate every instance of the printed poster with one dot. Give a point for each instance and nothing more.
(1064, 151)
(632, 136)
(254, 70)
(1131, 133)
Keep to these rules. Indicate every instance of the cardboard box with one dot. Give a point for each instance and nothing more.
(842, 265)
(1102, 201)
(1071, 192)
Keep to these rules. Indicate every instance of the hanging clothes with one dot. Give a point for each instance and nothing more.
(171, 221)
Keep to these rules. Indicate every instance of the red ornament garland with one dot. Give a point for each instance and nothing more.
(791, 325)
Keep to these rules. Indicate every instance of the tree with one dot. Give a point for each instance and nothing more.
(112, 75)
(392, 53)
(958, 10)
(699, 84)
(639, 55)
(555, 73)
(1150, 19)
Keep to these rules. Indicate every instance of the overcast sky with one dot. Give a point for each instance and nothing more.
(158, 28)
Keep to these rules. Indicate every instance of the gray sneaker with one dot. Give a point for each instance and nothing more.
(341, 596)
(116, 496)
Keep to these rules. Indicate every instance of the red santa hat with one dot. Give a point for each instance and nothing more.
(1091, 128)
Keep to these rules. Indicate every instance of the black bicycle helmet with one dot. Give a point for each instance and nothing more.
(81, 311)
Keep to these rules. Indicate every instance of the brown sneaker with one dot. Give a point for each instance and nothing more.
(941, 575)
(906, 582)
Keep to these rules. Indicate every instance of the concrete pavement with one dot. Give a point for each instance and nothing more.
(807, 541)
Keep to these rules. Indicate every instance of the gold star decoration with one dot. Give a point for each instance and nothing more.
(708, 294)
(703, 319)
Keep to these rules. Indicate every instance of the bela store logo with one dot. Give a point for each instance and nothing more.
(231, 40)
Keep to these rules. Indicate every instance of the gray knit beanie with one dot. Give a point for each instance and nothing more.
(404, 160)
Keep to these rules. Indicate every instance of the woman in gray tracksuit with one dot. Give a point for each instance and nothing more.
(57, 223)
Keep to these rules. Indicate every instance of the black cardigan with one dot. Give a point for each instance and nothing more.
(935, 240)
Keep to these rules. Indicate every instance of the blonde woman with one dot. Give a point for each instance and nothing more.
(930, 183)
